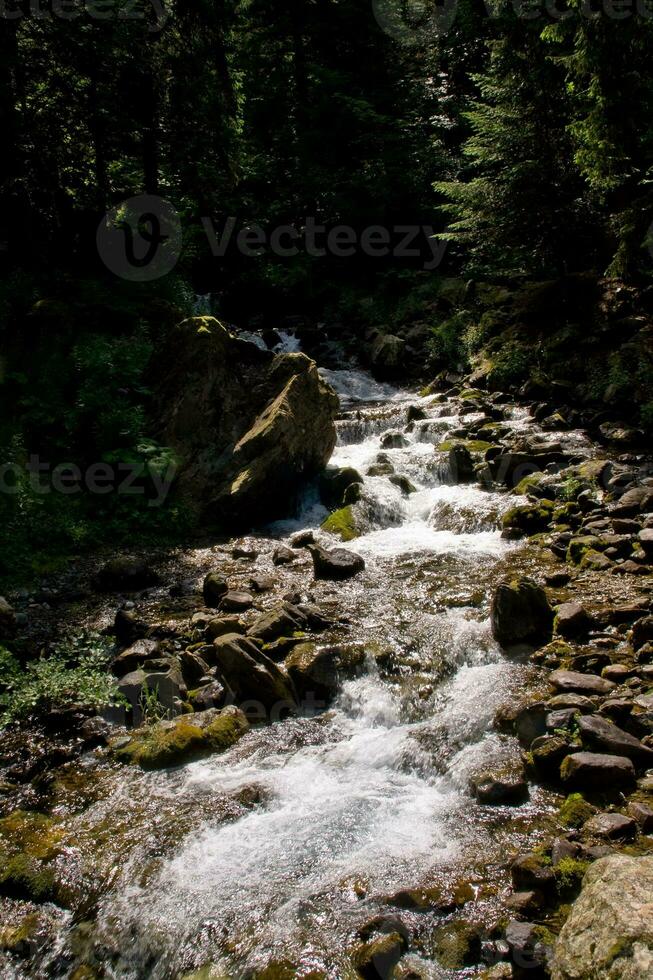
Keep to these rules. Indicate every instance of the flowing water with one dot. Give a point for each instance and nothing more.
(281, 849)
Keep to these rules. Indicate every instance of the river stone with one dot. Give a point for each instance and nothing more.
(574, 682)
(316, 672)
(134, 657)
(236, 602)
(614, 826)
(594, 771)
(126, 574)
(220, 626)
(506, 787)
(333, 483)
(643, 814)
(529, 871)
(572, 620)
(283, 556)
(335, 565)
(302, 539)
(282, 620)
(559, 702)
(252, 677)
(214, 588)
(461, 465)
(521, 613)
(173, 743)
(248, 427)
(528, 953)
(609, 933)
(645, 538)
(602, 735)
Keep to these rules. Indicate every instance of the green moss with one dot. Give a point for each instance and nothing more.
(343, 523)
(457, 945)
(531, 518)
(575, 810)
(29, 843)
(174, 743)
(473, 445)
(529, 483)
(471, 393)
(569, 875)
(579, 547)
(12, 937)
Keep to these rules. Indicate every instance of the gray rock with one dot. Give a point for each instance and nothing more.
(283, 620)
(594, 771)
(252, 679)
(572, 620)
(609, 933)
(614, 826)
(236, 602)
(317, 672)
(587, 684)
(283, 556)
(600, 734)
(642, 632)
(335, 565)
(642, 813)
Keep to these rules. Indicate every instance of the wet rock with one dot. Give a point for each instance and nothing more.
(521, 613)
(645, 538)
(558, 580)
(342, 523)
(249, 428)
(609, 932)
(166, 686)
(461, 465)
(378, 957)
(333, 484)
(457, 944)
(572, 620)
(404, 484)
(335, 565)
(574, 682)
(173, 743)
(579, 702)
(95, 731)
(211, 695)
(193, 667)
(8, 622)
(29, 846)
(394, 440)
(530, 518)
(302, 539)
(282, 620)
(530, 871)
(635, 501)
(236, 602)
(529, 722)
(125, 574)
(642, 813)
(563, 850)
(134, 657)
(222, 625)
(511, 468)
(606, 737)
(252, 679)
(261, 583)
(548, 752)
(506, 786)
(214, 588)
(527, 951)
(283, 556)
(594, 771)
(614, 826)
(317, 672)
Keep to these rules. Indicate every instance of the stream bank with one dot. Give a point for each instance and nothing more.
(350, 840)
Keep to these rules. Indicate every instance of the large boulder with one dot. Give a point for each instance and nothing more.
(609, 933)
(600, 734)
(521, 613)
(253, 681)
(595, 771)
(248, 427)
(316, 672)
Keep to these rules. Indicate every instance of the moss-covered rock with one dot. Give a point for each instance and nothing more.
(579, 547)
(342, 523)
(172, 743)
(575, 811)
(471, 445)
(457, 945)
(29, 844)
(531, 518)
(378, 957)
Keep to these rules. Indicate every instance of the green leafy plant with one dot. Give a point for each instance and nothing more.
(73, 672)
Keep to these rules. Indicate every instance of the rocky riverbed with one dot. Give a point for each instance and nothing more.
(401, 726)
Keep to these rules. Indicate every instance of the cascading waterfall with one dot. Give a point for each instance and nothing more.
(352, 805)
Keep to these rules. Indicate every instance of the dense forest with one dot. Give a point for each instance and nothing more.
(515, 140)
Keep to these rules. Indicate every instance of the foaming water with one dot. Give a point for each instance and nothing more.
(369, 797)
